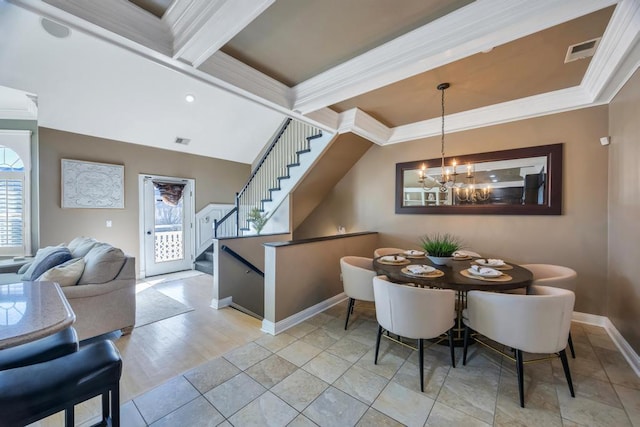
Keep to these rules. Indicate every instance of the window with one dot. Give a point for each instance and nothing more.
(15, 237)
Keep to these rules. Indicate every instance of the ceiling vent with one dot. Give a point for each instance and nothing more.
(582, 50)
(183, 141)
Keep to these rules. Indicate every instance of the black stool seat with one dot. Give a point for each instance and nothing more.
(42, 350)
(30, 393)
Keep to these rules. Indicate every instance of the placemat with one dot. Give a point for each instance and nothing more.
(503, 278)
(431, 275)
(403, 262)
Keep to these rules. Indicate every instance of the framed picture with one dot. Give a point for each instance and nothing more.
(92, 185)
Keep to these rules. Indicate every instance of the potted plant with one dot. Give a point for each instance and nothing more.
(440, 247)
(257, 219)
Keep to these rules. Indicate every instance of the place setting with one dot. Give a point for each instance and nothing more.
(496, 264)
(488, 274)
(393, 260)
(413, 254)
(425, 271)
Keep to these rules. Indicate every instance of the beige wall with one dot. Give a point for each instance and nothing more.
(216, 182)
(624, 212)
(364, 200)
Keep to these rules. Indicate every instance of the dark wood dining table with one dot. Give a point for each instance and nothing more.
(454, 279)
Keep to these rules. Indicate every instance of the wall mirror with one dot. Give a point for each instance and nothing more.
(525, 181)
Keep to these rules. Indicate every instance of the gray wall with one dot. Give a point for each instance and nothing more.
(216, 182)
(623, 287)
(364, 200)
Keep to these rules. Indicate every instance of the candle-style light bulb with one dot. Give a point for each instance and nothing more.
(469, 169)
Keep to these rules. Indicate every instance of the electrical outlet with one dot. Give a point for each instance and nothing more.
(109, 223)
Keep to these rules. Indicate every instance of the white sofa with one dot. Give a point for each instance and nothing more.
(103, 297)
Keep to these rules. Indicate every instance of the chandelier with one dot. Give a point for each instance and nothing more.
(465, 192)
(446, 180)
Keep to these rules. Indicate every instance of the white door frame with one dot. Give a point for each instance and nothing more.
(141, 217)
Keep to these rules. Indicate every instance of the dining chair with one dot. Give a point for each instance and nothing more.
(538, 322)
(415, 313)
(556, 276)
(357, 276)
(387, 251)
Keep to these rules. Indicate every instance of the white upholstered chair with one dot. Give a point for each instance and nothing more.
(535, 323)
(357, 280)
(414, 313)
(387, 251)
(556, 276)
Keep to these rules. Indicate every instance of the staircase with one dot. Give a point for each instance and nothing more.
(295, 147)
(204, 262)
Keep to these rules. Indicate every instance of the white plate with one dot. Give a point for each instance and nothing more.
(392, 258)
(413, 253)
(420, 269)
(490, 263)
(486, 272)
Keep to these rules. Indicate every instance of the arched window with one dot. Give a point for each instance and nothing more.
(14, 227)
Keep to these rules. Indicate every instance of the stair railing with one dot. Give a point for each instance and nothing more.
(292, 139)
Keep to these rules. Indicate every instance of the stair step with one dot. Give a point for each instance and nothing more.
(205, 266)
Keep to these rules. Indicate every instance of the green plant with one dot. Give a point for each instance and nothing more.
(441, 245)
(258, 219)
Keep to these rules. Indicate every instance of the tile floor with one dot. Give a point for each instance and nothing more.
(319, 374)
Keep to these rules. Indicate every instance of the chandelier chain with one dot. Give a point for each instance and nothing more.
(442, 133)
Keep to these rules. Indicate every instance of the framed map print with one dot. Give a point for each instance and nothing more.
(92, 185)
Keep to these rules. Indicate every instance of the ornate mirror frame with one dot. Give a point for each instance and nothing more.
(550, 192)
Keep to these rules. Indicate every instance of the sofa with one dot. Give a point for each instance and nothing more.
(97, 279)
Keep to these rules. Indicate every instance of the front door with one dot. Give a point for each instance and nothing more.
(167, 217)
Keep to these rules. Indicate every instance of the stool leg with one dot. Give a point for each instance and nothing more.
(69, 417)
(105, 406)
(115, 405)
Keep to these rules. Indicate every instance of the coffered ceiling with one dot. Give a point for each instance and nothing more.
(371, 66)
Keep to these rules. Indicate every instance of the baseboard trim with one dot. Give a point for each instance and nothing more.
(627, 351)
(277, 327)
(221, 303)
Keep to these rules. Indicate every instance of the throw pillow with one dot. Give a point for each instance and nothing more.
(102, 264)
(24, 268)
(65, 274)
(45, 259)
(80, 246)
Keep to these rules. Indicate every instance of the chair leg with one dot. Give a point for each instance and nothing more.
(465, 345)
(567, 373)
(573, 352)
(69, 417)
(349, 311)
(520, 372)
(375, 361)
(451, 349)
(421, 356)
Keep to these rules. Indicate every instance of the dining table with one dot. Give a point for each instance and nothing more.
(32, 310)
(454, 275)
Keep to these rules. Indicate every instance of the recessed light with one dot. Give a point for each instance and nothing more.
(494, 180)
(190, 98)
(492, 176)
(55, 29)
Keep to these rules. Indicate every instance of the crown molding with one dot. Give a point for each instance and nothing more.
(201, 28)
(358, 122)
(469, 30)
(519, 109)
(624, 72)
(619, 38)
(239, 74)
(118, 16)
(327, 117)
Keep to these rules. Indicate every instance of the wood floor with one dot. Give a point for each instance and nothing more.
(161, 350)
(157, 352)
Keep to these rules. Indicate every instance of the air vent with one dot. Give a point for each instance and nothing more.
(183, 141)
(582, 50)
